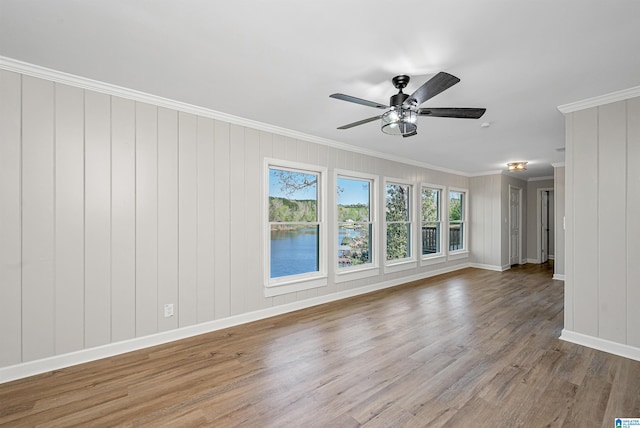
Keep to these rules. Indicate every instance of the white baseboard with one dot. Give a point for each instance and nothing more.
(559, 277)
(489, 267)
(552, 257)
(56, 362)
(601, 344)
(536, 261)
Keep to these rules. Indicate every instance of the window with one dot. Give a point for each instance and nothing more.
(398, 221)
(355, 222)
(295, 224)
(457, 218)
(431, 241)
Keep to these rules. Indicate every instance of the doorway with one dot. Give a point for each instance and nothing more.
(515, 222)
(546, 244)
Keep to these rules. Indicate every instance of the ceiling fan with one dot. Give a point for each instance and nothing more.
(403, 109)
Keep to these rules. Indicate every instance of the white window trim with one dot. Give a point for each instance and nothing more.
(306, 281)
(440, 257)
(464, 252)
(360, 271)
(353, 275)
(398, 265)
(458, 254)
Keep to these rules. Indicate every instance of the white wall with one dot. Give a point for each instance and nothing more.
(551, 224)
(110, 208)
(490, 220)
(559, 210)
(486, 228)
(602, 285)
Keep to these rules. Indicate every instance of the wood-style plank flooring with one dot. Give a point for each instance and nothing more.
(473, 348)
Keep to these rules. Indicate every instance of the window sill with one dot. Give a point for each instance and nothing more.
(462, 254)
(400, 266)
(428, 261)
(294, 286)
(353, 274)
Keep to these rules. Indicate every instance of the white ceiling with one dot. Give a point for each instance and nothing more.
(277, 61)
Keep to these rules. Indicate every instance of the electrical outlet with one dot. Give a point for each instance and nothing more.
(168, 310)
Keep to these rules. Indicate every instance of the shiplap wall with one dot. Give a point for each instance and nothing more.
(485, 228)
(559, 205)
(602, 284)
(110, 208)
(490, 220)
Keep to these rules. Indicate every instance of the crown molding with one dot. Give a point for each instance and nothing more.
(37, 71)
(612, 97)
(483, 173)
(506, 173)
(549, 177)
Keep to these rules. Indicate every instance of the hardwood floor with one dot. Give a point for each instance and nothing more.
(471, 348)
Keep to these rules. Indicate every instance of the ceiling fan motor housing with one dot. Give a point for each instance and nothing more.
(398, 99)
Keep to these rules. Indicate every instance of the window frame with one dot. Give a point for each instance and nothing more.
(407, 262)
(439, 257)
(304, 281)
(464, 251)
(343, 274)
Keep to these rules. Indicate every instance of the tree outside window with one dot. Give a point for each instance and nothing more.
(456, 220)
(398, 221)
(430, 221)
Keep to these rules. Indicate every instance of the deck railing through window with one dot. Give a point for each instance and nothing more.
(430, 239)
(455, 237)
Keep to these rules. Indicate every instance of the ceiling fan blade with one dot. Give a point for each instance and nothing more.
(431, 88)
(351, 99)
(458, 112)
(360, 122)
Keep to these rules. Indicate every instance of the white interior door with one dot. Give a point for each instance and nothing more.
(514, 225)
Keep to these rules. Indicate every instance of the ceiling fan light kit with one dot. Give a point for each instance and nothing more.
(402, 112)
(399, 122)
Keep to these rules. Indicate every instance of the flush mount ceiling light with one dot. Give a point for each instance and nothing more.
(402, 112)
(517, 166)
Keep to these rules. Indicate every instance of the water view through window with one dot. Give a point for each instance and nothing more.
(294, 251)
(354, 222)
(294, 222)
